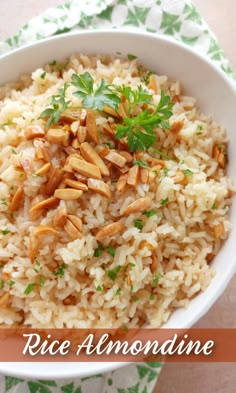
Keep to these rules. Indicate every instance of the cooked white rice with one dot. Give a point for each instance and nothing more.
(162, 266)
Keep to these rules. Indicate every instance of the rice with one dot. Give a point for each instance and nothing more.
(139, 275)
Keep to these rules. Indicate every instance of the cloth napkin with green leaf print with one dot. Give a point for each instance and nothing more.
(177, 18)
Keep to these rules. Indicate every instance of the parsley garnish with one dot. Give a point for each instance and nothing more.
(138, 224)
(163, 155)
(42, 76)
(11, 283)
(152, 296)
(42, 280)
(141, 163)
(113, 273)
(5, 231)
(214, 206)
(2, 283)
(187, 172)
(111, 251)
(98, 251)
(146, 78)
(99, 288)
(58, 104)
(150, 213)
(61, 270)
(118, 292)
(3, 201)
(131, 57)
(157, 277)
(165, 171)
(139, 129)
(95, 98)
(164, 201)
(29, 288)
(136, 298)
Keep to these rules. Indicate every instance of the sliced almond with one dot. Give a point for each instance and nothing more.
(139, 205)
(90, 154)
(152, 84)
(151, 177)
(74, 127)
(153, 266)
(129, 158)
(43, 230)
(178, 177)
(83, 117)
(70, 116)
(48, 203)
(76, 184)
(210, 256)
(108, 130)
(109, 230)
(58, 135)
(222, 160)
(4, 299)
(103, 152)
(76, 221)
(122, 111)
(68, 194)
(92, 127)
(6, 276)
(100, 187)
(122, 181)
(85, 168)
(54, 180)
(32, 132)
(38, 198)
(133, 176)
(41, 151)
(72, 231)
(17, 199)
(60, 217)
(144, 175)
(128, 280)
(111, 112)
(116, 159)
(145, 243)
(81, 134)
(219, 230)
(75, 143)
(43, 170)
(177, 126)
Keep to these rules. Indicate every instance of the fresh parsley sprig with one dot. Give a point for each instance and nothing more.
(92, 97)
(58, 104)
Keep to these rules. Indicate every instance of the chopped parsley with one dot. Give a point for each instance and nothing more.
(187, 172)
(146, 78)
(5, 231)
(152, 296)
(165, 171)
(42, 280)
(13, 151)
(150, 213)
(131, 57)
(132, 264)
(161, 154)
(118, 292)
(200, 127)
(2, 283)
(111, 251)
(99, 288)
(138, 224)
(3, 201)
(164, 201)
(141, 163)
(157, 277)
(112, 274)
(29, 288)
(98, 251)
(11, 283)
(136, 298)
(214, 206)
(131, 288)
(61, 270)
(42, 76)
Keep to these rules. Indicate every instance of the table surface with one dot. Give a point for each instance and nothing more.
(181, 377)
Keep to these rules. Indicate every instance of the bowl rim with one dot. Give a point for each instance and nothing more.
(105, 367)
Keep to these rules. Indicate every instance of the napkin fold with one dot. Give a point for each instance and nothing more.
(177, 18)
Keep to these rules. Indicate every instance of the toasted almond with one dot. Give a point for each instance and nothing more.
(6, 276)
(17, 199)
(156, 161)
(129, 158)
(33, 247)
(4, 299)
(75, 143)
(43, 230)
(76, 184)
(48, 203)
(151, 177)
(103, 152)
(111, 112)
(38, 198)
(124, 169)
(26, 165)
(222, 160)
(133, 176)
(74, 127)
(90, 154)
(210, 256)
(72, 231)
(144, 175)
(178, 177)
(85, 168)
(128, 280)
(116, 159)
(100, 187)
(54, 180)
(58, 135)
(69, 116)
(177, 126)
(219, 230)
(41, 151)
(92, 127)
(145, 243)
(109, 230)
(16, 161)
(152, 84)
(108, 130)
(32, 132)
(60, 217)
(83, 116)
(81, 134)
(44, 169)
(153, 266)
(76, 221)
(122, 181)
(68, 194)
(139, 205)
(80, 178)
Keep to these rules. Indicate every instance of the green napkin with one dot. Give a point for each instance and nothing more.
(177, 18)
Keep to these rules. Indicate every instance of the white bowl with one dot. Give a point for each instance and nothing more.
(216, 95)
